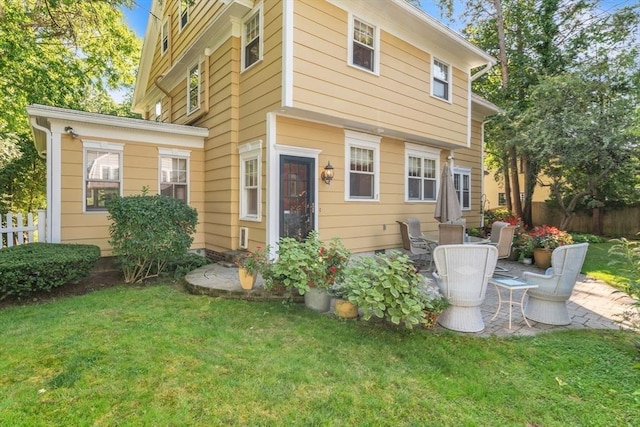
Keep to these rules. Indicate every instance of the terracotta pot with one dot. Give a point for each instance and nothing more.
(542, 258)
(345, 309)
(247, 281)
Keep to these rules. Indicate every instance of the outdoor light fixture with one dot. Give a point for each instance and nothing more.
(327, 173)
(70, 131)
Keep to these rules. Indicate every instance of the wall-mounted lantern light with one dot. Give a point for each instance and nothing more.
(327, 173)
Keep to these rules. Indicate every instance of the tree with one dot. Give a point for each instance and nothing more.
(66, 53)
(580, 128)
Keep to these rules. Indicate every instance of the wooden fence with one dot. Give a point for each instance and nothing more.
(623, 222)
(13, 230)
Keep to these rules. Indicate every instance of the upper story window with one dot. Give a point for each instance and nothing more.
(164, 35)
(174, 173)
(102, 178)
(421, 165)
(362, 154)
(193, 89)
(183, 13)
(462, 183)
(363, 45)
(252, 38)
(250, 180)
(441, 82)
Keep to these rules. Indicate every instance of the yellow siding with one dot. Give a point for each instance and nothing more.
(140, 168)
(399, 98)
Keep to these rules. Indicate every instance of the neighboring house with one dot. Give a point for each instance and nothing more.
(248, 102)
(495, 195)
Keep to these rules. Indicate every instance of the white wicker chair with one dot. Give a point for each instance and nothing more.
(462, 274)
(502, 238)
(548, 302)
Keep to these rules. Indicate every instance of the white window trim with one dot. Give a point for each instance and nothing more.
(376, 46)
(458, 170)
(175, 153)
(111, 147)
(163, 35)
(367, 141)
(181, 6)
(189, 109)
(449, 81)
(250, 151)
(423, 152)
(248, 17)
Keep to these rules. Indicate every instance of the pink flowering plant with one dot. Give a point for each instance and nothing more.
(548, 237)
(255, 262)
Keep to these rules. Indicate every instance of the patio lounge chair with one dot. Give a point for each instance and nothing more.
(502, 238)
(463, 272)
(548, 303)
(450, 234)
(419, 249)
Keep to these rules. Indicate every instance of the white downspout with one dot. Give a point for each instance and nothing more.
(47, 156)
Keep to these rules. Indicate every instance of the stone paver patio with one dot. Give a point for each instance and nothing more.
(593, 304)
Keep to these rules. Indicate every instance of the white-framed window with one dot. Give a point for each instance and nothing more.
(252, 38)
(164, 37)
(173, 170)
(462, 183)
(193, 89)
(441, 81)
(421, 165)
(364, 42)
(362, 166)
(102, 164)
(250, 180)
(183, 13)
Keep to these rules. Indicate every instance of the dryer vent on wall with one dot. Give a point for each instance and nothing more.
(244, 238)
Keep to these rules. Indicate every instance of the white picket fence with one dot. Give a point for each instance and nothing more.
(13, 230)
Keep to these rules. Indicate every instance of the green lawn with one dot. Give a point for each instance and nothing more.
(157, 356)
(597, 265)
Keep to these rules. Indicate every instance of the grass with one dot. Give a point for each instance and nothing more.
(596, 265)
(158, 356)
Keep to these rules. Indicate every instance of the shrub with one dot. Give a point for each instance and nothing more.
(179, 268)
(149, 231)
(586, 238)
(43, 266)
(387, 287)
(548, 237)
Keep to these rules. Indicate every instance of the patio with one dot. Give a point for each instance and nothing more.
(593, 304)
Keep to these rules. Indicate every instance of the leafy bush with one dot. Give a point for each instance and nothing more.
(148, 232)
(188, 262)
(43, 266)
(548, 237)
(387, 287)
(586, 238)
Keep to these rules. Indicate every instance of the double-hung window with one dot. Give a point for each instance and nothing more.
(102, 176)
(462, 183)
(252, 38)
(362, 154)
(250, 179)
(174, 173)
(421, 165)
(441, 82)
(193, 89)
(363, 45)
(183, 13)
(164, 35)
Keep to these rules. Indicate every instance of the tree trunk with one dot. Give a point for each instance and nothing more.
(515, 182)
(596, 220)
(507, 183)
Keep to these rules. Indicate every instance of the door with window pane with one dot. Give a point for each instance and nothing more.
(297, 187)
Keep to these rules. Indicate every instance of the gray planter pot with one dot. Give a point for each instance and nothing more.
(317, 299)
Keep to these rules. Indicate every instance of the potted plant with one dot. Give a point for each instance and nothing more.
(545, 239)
(250, 264)
(310, 267)
(434, 304)
(523, 242)
(342, 306)
(387, 287)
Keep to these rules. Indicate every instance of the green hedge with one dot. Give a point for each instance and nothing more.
(42, 266)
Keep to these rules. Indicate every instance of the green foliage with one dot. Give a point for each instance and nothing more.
(43, 266)
(548, 237)
(256, 262)
(586, 238)
(148, 232)
(498, 214)
(626, 255)
(300, 265)
(178, 268)
(386, 287)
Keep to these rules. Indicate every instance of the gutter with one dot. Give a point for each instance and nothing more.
(483, 71)
(47, 134)
(48, 161)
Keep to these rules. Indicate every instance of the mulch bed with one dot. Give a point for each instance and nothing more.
(96, 281)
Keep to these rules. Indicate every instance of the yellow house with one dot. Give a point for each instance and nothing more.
(274, 118)
(495, 195)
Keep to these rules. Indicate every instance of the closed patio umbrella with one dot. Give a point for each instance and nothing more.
(447, 204)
